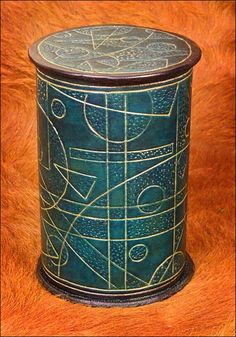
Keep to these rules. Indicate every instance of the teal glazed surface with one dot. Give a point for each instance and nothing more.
(113, 162)
(113, 174)
(114, 49)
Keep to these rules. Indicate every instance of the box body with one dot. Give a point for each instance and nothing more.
(113, 165)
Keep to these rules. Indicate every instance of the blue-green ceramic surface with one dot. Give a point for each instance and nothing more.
(113, 162)
(113, 176)
(114, 49)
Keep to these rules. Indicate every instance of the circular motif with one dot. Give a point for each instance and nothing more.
(114, 49)
(138, 253)
(150, 199)
(58, 108)
(122, 118)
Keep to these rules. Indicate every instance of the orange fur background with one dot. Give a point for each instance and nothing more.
(205, 307)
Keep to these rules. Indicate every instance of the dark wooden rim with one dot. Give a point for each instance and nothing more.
(116, 79)
(100, 300)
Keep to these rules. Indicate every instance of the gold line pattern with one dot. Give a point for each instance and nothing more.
(74, 219)
(101, 61)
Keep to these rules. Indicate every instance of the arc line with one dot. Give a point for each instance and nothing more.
(126, 191)
(140, 61)
(48, 237)
(118, 152)
(121, 152)
(49, 193)
(121, 161)
(85, 116)
(106, 39)
(174, 99)
(134, 45)
(45, 188)
(171, 260)
(50, 256)
(105, 257)
(148, 288)
(94, 86)
(169, 257)
(105, 193)
(71, 185)
(128, 219)
(127, 48)
(176, 167)
(48, 134)
(64, 152)
(85, 262)
(120, 240)
(189, 74)
(110, 54)
(108, 196)
(113, 207)
(80, 173)
(94, 248)
(41, 197)
(110, 109)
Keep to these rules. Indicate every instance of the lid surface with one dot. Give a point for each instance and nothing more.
(115, 53)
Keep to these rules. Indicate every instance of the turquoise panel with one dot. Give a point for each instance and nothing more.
(113, 167)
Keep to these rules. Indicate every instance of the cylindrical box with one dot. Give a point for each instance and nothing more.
(113, 107)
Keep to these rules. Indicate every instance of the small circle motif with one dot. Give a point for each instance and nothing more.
(150, 199)
(138, 253)
(58, 108)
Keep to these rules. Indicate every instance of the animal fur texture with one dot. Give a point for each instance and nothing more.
(205, 307)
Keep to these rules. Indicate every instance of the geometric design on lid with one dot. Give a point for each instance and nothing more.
(114, 49)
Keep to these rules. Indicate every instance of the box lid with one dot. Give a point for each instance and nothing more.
(115, 54)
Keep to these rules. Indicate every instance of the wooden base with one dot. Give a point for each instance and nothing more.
(119, 300)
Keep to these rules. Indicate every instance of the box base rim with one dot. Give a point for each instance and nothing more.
(155, 295)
